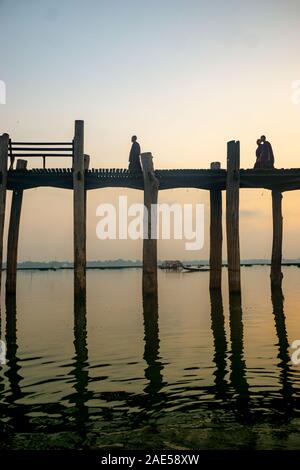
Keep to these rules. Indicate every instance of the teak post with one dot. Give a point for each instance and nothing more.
(79, 199)
(216, 236)
(232, 216)
(13, 235)
(150, 226)
(4, 143)
(276, 274)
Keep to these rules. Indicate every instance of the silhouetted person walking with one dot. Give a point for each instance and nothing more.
(267, 156)
(134, 156)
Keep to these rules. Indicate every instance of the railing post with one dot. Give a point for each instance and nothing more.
(276, 274)
(4, 142)
(150, 224)
(79, 212)
(216, 236)
(13, 235)
(232, 216)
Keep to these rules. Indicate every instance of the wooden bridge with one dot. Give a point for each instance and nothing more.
(80, 179)
(95, 178)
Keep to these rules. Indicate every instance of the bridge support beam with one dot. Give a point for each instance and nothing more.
(276, 274)
(216, 236)
(13, 235)
(79, 209)
(232, 216)
(4, 143)
(150, 226)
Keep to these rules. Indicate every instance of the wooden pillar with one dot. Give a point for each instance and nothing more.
(4, 142)
(79, 212)
(13, 235)
(232, 216)
(276, 274)
(150, 224)
(216, 236)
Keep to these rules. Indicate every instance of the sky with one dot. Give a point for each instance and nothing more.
(186, 76)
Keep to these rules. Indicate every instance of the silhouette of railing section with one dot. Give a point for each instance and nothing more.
(39, 149)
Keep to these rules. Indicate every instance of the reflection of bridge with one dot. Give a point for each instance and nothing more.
(80, 178)
(230, 390)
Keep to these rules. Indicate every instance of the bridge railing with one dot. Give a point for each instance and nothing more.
(39, 149)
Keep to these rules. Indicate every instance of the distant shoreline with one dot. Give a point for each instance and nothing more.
(71, 268)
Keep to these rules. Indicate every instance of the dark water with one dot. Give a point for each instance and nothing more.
(199, 372)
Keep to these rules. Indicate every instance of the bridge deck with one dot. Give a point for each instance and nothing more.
(282, 179)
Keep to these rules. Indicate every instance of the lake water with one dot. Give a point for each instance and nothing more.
(199, 372)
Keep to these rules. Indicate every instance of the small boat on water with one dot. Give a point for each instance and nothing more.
(195, 268)
(176, 265)
(172, 265)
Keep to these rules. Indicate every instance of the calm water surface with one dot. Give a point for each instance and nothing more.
(198, 372)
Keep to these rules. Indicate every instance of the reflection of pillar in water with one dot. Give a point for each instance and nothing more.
(238, 366)
(17, 412)
(80, 365)
(2, 353)
(151, 352)
(2, 360)
(220, 343)
(0, 322)
(283, 349)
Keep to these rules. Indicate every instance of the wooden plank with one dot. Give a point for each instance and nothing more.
(216, 236)
(42, 149)
(79, 212)
(45, 154)
(13, 236)
(232, 216)
(150, 223)
(276, 274)
(43, 143)
(4, 143)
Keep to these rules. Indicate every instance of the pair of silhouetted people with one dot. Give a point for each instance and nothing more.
(134, 155)
(264, 154)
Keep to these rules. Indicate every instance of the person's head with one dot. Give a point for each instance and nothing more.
(263, 139)
(258, 141)
(134, 138)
